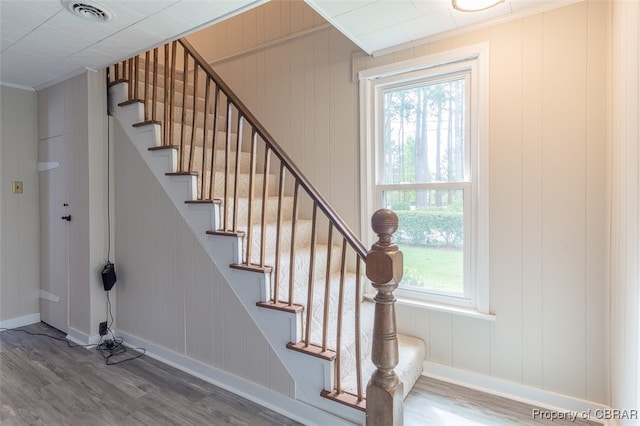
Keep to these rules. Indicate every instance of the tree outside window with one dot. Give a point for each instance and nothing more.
(422, 128)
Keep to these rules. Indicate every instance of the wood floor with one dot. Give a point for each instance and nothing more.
(44, 382)
(433, 402)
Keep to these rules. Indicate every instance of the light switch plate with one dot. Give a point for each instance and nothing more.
(17, 187)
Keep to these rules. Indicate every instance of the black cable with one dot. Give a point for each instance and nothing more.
(112, 347)
(109, 314)
(108, 348)
(69, 344)
(108, 190)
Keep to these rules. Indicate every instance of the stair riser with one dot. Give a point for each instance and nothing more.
(303, 229)
(220, 159)
(243, 185)
(186, 116)
(271, 213)
(178, 83)
(301, 260)
(182, 136)
(177, 101)
(301, 269)
(178, 96)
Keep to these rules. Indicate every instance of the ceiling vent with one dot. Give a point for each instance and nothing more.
(88, 9)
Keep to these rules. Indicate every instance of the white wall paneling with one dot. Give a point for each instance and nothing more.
(19, 219)
(563, 202)
(300, 89)
(203, 316)
(170, 293)
(548, 144)
(625, 211)
(77, 108)
(531, 133)
(548, 192)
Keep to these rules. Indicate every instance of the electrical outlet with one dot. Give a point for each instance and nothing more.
(102, 328)
(17, 187)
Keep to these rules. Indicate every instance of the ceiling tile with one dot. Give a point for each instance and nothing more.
(197, 12)
(140, 38)
(426, 26)
(12, 30)
(42, 42)
(116, 48)
(430, 6)
(16, 57)
(164, 24)
(200, 12)
(5, 43)
(142, 8)
(39, 7)
(332, 8)
(88, 30)
(93, 58)
(377, 16)
(18, 21)
(382, 39)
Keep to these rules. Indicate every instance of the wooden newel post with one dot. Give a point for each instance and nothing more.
(384, 269)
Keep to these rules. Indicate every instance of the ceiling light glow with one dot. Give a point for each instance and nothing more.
(474, 5)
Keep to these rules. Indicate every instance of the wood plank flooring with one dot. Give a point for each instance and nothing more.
(433, 402)
(44, 382)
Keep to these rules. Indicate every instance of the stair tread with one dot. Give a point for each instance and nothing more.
(411, 352)
(411, 349)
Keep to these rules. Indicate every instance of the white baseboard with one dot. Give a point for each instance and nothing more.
(518, 392)
(277, 402)
(20, 321)
(80, 338)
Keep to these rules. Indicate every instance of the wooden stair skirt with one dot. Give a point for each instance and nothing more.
(313, 265)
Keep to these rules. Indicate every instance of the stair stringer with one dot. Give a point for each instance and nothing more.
(311, 374)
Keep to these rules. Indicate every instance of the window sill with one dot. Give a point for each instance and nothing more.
(456, 310)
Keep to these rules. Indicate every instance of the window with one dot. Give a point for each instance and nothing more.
(423, 143)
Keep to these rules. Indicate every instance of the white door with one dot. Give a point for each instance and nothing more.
(55, 220)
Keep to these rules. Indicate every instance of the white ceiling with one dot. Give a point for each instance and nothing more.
(42, 43)
(378, 26)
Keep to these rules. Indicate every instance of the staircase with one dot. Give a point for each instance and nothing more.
(238, 189)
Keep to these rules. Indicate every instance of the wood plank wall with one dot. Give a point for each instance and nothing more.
(301, 89)
(548, 175)
(19, 213)
(548, 188)
(169, 292)
(625, 230)
(77, 108)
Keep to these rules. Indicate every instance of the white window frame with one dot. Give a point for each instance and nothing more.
(373, 82)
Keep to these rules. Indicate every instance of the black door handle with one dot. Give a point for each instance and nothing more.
(67, 218)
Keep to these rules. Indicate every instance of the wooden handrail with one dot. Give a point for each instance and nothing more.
(322, 203)
(216, 113)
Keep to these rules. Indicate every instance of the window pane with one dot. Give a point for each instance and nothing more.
(430, 235)
(424, 133)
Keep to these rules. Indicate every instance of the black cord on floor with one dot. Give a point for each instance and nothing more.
(112, 347)
(69, 344)
(108, 347)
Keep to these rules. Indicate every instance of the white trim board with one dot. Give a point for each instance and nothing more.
(277, 402)
(20, 321)
(80, 338)
(515, 391)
